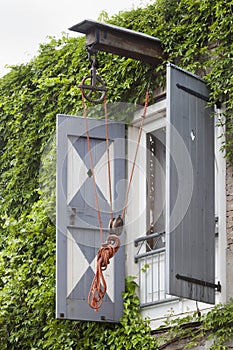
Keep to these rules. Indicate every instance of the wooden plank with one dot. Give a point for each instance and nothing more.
(190, 218)
(125, 45)
(121, 41)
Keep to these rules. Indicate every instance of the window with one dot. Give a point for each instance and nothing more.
(151, 247)
(152, 262)
(180, 196)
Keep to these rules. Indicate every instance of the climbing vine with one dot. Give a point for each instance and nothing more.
(215, 326)
(196, 35)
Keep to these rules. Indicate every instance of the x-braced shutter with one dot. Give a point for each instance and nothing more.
(78, 236)
(190, 218)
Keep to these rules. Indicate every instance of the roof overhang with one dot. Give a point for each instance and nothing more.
(120, 41)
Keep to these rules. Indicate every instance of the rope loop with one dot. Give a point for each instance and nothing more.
(99, 287)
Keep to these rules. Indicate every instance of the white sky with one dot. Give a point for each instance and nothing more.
(24, 24)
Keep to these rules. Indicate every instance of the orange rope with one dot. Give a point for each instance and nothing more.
(108, 154)
(92, 169)
(99, 287)
(136, 153)
(107, 251)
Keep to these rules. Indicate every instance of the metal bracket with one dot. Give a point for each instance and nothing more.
(218, 286)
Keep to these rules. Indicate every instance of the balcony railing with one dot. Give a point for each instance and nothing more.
(151, 260)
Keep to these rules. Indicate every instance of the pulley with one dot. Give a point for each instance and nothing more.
(92, 86)
(116, 226)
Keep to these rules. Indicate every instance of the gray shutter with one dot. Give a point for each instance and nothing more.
(190, 213)
(78, 237)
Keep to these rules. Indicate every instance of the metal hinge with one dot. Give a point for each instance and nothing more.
(192, 92)
(200, 282)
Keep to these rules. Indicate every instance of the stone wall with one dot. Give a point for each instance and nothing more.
(203, 344)
(229, 205)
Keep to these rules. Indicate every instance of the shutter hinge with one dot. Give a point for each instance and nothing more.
(218, 286)
(192, 92)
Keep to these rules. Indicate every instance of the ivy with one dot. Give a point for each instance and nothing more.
(194, 34)
(132, 333)
(216, 326)
(220, 323)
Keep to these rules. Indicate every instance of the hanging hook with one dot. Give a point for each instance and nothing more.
(92, 86)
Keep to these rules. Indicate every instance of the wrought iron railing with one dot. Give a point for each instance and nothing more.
(151, 260)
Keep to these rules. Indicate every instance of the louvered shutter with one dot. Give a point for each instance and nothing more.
(190, 188)
(78, 237)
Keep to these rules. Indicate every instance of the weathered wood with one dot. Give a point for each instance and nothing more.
(121, 41)
(190, 221)
(78, 236)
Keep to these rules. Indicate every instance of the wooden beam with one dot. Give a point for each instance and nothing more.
(121, 41)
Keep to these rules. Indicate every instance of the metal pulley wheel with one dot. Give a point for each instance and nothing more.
(93, 88)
